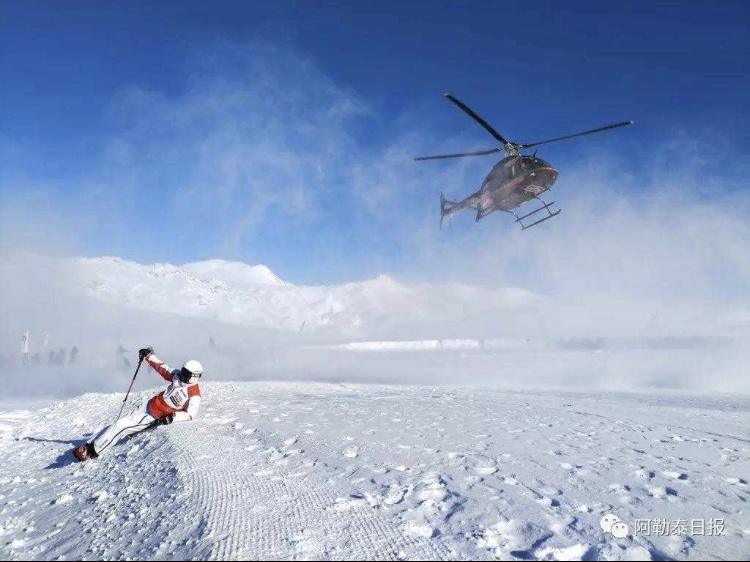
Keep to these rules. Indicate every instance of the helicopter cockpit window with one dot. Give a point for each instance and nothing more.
(544, 163)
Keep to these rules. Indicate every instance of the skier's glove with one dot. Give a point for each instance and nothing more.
(166, 420)
(145, 352)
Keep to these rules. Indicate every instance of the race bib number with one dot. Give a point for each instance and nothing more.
(176, 397)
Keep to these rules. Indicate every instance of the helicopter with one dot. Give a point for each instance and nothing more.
(513, 181)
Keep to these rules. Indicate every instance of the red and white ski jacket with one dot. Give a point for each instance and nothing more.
(180, 399)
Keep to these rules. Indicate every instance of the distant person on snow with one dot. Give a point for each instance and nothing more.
(179, 402)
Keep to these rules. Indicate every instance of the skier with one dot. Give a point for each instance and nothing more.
(179, 402)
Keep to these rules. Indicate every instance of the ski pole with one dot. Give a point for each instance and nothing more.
(131, 386)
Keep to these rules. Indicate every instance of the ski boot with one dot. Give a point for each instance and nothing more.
(85, 452)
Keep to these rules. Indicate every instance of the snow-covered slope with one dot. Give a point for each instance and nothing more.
(320, 471)
(234, 274)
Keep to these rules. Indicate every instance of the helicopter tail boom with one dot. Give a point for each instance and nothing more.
(449, 208)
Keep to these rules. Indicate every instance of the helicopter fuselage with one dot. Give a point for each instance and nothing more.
(513, 181)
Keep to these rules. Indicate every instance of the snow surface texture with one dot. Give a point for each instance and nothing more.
(322, 471)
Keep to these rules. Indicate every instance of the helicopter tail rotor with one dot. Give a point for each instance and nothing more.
(449, 208)
(443, 210)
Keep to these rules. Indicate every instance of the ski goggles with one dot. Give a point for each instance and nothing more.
(189, 377)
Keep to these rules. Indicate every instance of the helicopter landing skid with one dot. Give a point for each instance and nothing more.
(544, 207)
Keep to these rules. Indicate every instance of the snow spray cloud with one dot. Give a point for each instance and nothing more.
(623, 247)
(263, 158)
(34, 217)
(251, 150)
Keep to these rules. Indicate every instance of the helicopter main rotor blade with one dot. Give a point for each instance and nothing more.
(478, 119)
(624, 123)
(460, 155)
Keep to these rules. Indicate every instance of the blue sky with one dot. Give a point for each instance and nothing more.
(282, 132)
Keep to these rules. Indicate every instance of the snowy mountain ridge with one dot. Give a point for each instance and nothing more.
(247, 295)
(224, 291)
(235, 274)
(378, 309)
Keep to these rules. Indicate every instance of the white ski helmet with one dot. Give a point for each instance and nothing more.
(191, 371)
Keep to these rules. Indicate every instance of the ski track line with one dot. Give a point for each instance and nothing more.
(256, 508)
